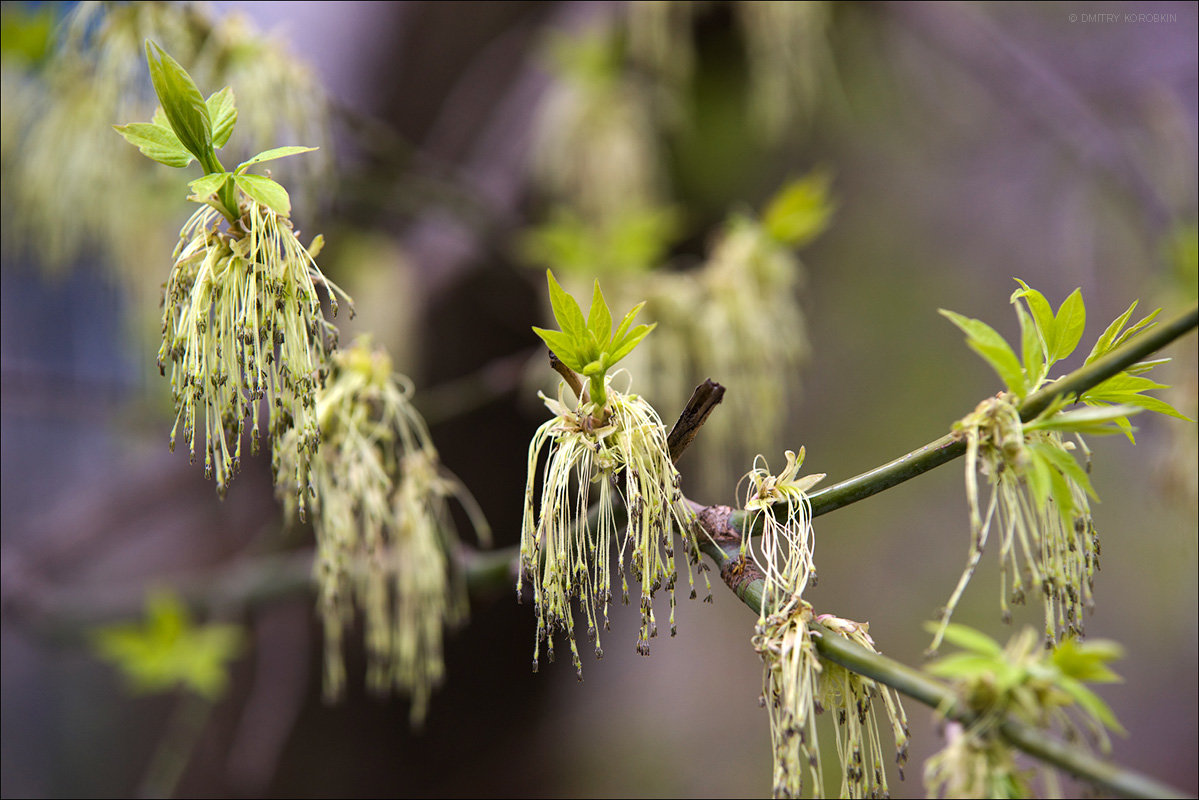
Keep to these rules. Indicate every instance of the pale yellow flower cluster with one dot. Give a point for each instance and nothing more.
(565, 554)
(385, 538)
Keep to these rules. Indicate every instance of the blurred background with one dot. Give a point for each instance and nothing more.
(464, 148)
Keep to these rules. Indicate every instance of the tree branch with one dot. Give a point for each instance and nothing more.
(949, 447)
(744, 580)
(267, 578)
(705, 398)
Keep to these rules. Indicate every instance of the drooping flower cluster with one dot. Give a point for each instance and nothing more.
(565, 554)
(797, 685)
(786, 547)
(242, 322)
(852, 697)
(1039, 495)
(790, 686)
(1039, 492)
(242, 319)
(385, 538)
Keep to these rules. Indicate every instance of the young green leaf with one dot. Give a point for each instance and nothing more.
(1091, 420)
(208, 185)
(622, 331)
(566, 310)
(1090, 702)
(272, 154)
(987, 342)
(964, 666)
(1126, 389)
(1141, 367)
(1033, 347)
(968, 638)
(168, 650)
(265, 191)
(1038, 475)
(563, 347)
(223, 112)
(1113, 337)
(1068, 326)
(800, 211)
(599, 320)
(631, 340)
(1066, 465)
(182, 102)
(1042, 312)
(1088, 662)
(156, 142)
(1104, 343)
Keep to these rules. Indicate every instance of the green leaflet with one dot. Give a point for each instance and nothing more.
(208, 185)
(800, 211)
(272, 154)
(599, 319)
(223, 112)
(1088, 661)
(587, 345)
(157, 142)
(1058, 333)
(1068, 326)
(167, 650)
(267, 192)
(968, 638)
(182, 103)
(987, 342)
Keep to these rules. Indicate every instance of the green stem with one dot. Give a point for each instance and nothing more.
(176, 747)
(949, 447)
(931, 692)
(599, 394)
(227, 194)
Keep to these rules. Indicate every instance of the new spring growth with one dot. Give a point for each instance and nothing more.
(169, 651)
(385, 536)
(1040, 494)
(242, 317)
(613, 444)
(785, 550)
(1038, 686)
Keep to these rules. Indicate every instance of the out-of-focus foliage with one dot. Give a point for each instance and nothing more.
(621, 108)
(1043, 687)
(169, 651)
(385, 538)
(71, 188)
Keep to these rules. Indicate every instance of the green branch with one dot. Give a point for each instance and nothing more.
(742, 579)
(949, 447)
